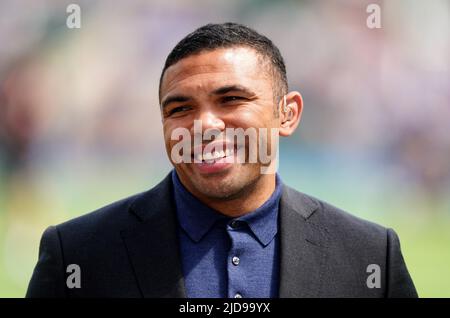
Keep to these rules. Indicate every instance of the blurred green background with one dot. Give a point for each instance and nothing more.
(80, 124)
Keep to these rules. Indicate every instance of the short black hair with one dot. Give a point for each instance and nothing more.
(225, 35)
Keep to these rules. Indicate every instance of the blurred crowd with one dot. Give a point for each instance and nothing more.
(91, 92)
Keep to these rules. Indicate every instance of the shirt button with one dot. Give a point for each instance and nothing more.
(238, 295)
(235, 260)
(235, 224)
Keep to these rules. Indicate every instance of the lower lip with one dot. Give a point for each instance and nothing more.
(218, 166)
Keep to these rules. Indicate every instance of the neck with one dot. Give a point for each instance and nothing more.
(247, 200)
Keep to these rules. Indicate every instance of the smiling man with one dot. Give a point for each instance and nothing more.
(222, 223)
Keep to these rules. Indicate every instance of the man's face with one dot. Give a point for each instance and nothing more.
(224, 88)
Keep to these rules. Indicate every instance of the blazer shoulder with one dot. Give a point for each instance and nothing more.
(117, 214)
(336, 221)
(109, 215)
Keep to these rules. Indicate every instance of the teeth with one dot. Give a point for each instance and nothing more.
(214, 156)
(211, 157)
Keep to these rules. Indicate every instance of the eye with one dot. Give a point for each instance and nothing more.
(179, 109)
(227, 99)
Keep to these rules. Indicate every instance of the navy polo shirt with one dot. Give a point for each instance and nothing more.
(228, 257)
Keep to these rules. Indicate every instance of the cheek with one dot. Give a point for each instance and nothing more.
(167, 133)
(257, 116)
(168, 129)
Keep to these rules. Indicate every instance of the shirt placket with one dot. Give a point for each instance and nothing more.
(235, 259)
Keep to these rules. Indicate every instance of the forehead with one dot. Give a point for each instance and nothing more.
(235, 65)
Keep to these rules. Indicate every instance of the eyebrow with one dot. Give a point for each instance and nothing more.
(219, 91)
(175, 99)
(233, 88)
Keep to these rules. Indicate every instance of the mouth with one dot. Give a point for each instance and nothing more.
(215, 161)
(212, 157)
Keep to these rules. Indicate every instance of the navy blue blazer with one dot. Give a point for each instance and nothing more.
(130, 249)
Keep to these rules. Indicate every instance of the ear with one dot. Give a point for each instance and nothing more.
(290, 118)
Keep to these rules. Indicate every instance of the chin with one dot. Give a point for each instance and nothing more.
(227, 187)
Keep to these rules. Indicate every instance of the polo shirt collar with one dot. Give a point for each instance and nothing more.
(197, 219)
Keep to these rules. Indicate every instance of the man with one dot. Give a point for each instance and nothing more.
(219, 225)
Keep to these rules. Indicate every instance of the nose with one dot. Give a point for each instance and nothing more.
(210, 120)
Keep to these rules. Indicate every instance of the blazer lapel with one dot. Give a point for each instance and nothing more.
(153, 245)
(303, 246)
